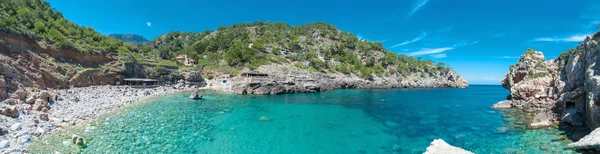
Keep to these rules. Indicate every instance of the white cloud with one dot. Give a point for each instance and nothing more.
(149, 24)
(465, 44)
(574, 38)
(416, 6)
(499, 35)
(423, 34)
(509, 57)
(428, 51)
(443, 55)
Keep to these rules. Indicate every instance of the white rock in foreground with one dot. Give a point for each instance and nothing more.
(590, 141)
(438, 146)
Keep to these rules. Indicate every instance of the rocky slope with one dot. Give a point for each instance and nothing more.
(289, 79)
(566, 89)
(130, 38)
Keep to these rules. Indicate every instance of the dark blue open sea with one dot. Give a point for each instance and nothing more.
(332, 122)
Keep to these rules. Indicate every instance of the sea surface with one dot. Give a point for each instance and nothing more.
(339, 121)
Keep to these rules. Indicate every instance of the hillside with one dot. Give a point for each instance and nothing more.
(319, 47)
(43, 49)
(129, 38)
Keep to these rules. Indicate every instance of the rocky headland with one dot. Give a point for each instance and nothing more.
(289, 79)
(563, 90)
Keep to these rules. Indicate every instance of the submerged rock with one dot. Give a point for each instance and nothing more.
(503, 105)
(196, 95)
(77, 140)
(264, 118)
(439, 146)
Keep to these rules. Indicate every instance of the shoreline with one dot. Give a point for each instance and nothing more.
(93, 103)
(81, 105)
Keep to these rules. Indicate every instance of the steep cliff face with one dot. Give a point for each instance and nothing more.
(565, 89)
(24, 63)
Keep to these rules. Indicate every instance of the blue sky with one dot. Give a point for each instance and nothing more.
(478, 38)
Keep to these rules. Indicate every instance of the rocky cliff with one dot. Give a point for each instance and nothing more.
(566, 89)
(289, 79)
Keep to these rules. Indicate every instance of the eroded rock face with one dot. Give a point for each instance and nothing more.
(590, 141)
(289, 79)
(439, 146)
(564, 89)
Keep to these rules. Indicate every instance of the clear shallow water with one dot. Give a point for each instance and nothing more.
(340, 121)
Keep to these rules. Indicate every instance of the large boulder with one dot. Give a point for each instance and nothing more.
(439, 146)
(10, 111)
(21, 94)
(45, 95)
(589, 142)
(41, 105)
(11, 101)
(193, 76)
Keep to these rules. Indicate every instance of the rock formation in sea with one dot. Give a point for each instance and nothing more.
(565, 89)
(439, 146)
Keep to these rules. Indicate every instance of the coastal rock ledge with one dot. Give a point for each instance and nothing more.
(439, 146)
(285, 79)
(589, 142)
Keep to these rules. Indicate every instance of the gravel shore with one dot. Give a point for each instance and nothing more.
(68, 107)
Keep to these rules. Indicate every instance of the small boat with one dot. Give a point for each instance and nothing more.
(196, 95)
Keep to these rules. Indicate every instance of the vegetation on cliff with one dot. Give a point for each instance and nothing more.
(319, 46)
(36, 19)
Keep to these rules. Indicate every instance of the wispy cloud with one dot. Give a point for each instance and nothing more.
(428, 51)
(423, 34)
(443, 55)
(417, 4)
(446, 29)
(499, 35)
(509, 57)
(574, 38)
(462, 44)
(149, 24)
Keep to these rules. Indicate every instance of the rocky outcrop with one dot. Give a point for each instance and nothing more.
(590, 141)
(565, 89)
(438, 146)
(289, 79)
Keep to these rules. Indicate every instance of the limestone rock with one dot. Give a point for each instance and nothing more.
(11, 101)
(10, 111)
(4, 144)
(44, 117)
(20, 94)
(30, 100)
(40, 104)
(45, 95)
(503, 104)
(196, 95)
(438, 146)
(590, 141)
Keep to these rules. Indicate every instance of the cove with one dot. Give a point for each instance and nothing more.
(338, 121)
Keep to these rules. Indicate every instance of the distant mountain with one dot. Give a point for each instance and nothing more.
(131, 38)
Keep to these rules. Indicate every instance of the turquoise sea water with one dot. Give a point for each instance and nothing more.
(339, 121)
